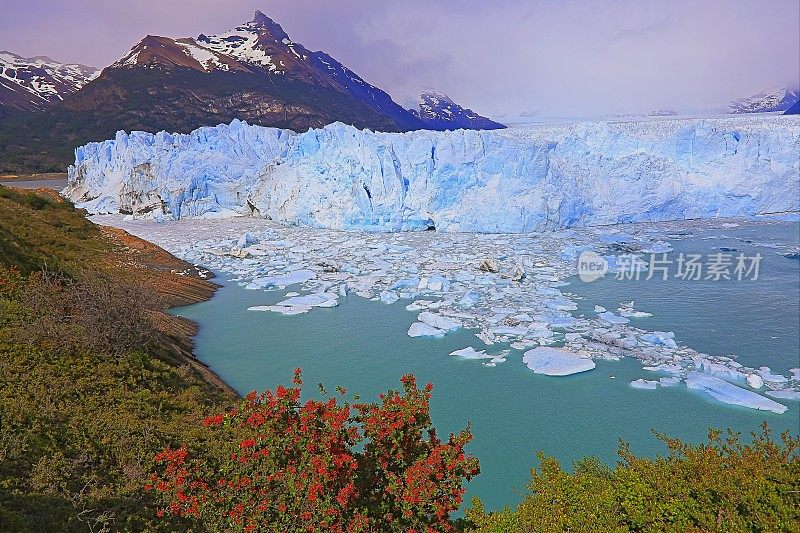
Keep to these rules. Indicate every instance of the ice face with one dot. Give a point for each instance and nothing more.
(508, 181)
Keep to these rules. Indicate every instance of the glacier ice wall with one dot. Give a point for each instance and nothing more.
(516, 180)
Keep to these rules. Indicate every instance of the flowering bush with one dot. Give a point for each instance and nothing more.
(321, 466)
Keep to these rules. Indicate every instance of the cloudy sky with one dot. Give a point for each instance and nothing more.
(556, 57)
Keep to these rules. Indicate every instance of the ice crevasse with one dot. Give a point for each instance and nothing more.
(516, 180)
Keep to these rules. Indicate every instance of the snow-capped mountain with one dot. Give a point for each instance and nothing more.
(771, 100)
(34, 83)
(254, 72)
(439, 112)
(794, 110)
(262, 48)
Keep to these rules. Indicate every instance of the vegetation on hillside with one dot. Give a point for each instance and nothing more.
(321, 466)
(722, 485)
(106, 424)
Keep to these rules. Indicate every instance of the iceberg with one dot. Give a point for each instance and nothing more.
(438, 321)
(420, 329)
(311, 300)
(645, 384)
(786, 394)
(282, 280)
(471, 353)
(534, 178)
(728, 393)
(555, 362)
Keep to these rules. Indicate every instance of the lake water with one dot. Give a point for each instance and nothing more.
(55, 184)
(363, 346)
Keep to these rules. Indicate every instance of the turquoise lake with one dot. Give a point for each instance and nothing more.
(363, 346)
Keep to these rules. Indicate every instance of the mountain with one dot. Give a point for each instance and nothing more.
(439, 112)
(794, 110)
(771, 100)
(253, 72)
(35, 83)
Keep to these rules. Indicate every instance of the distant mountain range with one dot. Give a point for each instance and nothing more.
(254, 72)
(34, 83)
(439, 112)
(771, 100)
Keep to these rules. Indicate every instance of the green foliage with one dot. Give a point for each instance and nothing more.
(722, 485)
(36, 231)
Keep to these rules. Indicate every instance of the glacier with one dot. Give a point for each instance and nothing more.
(518, 180)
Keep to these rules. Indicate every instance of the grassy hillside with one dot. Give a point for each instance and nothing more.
(90, 386)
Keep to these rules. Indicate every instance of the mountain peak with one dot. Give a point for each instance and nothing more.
(439, 111)
(263, 22)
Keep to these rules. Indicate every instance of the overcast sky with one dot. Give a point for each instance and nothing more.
(567, 57)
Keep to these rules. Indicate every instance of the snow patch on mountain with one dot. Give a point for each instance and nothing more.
(36, 82)
(771, 100)
(519, 180)
(439, 112)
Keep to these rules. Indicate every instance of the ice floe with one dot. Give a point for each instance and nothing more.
(726, 392)
(438, 277)
(555, 362)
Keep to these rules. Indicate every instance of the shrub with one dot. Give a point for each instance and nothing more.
(321, 465)
(723, 485)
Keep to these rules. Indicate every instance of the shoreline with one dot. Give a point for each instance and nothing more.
(177, 283)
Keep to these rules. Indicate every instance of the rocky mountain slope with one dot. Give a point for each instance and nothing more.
(253, 72)
(771, 100)
(35, 83)
(439, 112)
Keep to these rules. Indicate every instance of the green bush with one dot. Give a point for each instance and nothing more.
(722, 485)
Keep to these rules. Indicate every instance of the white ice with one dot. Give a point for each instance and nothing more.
(555, 362)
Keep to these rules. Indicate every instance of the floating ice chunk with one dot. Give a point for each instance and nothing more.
(718, 369)
(404, 284)
(767, 374)
(248, 239)
(420, 329)
(282, 309)
(486, 336)
(524, 344)
(517, 331)
(786, 394)
(438, 283)
(755, 381)
(311, 300)
(610, 318)
(795, 374)
(629, 312)
(472, 353)
(343, 290)
(468, 299)
(438, 321)
(389, 297)
(599, 309)
(555, 362)
(292, 278)
(659, 247)
(669, 368)
(728, 393)
(660, 338)
(562, 305)
(669, 381)
(644, 384)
